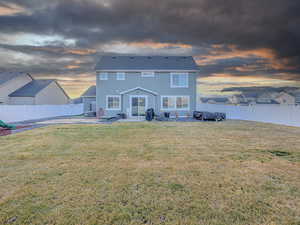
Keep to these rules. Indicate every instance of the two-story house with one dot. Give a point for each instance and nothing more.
(133, 84)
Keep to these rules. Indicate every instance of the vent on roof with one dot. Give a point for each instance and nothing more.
(114, 57)
(166, 57)
(149, 57)
(132, 57)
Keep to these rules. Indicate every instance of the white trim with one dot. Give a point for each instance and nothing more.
(103, 73)
(130, 103)
(120, 73)
(138, 88)
(175, 105)
(143, 74)
(114, 109)
(171, 80)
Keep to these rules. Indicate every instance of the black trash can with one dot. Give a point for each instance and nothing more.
(150, 114)
(166, 114)
(122, 115)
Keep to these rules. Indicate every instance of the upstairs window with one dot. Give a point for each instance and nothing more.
(103, 76)
(179, 80)
(148, 74)
(120, 76)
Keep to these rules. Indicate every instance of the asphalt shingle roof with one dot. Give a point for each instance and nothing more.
(147, 63)
(90, 92)
(270, 102)
(6, 76)
(216, 99)
(31, 89)
(251, 94)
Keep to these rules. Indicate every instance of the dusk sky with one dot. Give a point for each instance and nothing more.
(237, 43)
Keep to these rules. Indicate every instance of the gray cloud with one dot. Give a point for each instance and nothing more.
(92, 24)
(247, 24)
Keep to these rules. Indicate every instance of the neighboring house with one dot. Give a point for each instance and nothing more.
(285, 98)
(297, 98)
(250, 97)
(10, 82)
(238, 100)
(241, 99)
(133, 84)
(272, 101)
(265, 98)
(215, 100)
(39, 92)
(89, 99)
(76, 100)
(276, 98)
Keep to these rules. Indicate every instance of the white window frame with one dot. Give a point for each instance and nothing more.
(148, 74)
(162, 103)
(175, 101)
(176, 86)
(103, 76)
(130, 102)
(120, 76)
(113, 96)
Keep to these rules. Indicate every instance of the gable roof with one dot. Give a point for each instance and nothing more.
(251, 94)
(31, 89)
(147, 63)
(138, 88)
(7, 76)
(90, 92)
(272, 101)
(76, 100)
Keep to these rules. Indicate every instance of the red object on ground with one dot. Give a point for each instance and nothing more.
(20, 127)
(5, 131)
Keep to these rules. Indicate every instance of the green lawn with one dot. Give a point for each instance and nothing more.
(152, 173)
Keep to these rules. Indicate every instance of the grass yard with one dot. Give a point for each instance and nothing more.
(152, 173)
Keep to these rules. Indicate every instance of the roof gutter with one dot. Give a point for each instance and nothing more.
(125, 70)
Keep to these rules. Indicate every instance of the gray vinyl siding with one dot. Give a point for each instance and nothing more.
(160, 83)
(88, 103)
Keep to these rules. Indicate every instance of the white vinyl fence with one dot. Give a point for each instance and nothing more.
(16, 113)
(278, 114)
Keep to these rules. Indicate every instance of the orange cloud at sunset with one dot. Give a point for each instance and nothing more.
(74, 51)
(246, 68)
(74, 65)
(80, 51)
(157, 45)
(10, 9)
(71, 67)
(218, 53)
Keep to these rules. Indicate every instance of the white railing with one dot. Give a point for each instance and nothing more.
(17, 113)
(278, 114)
